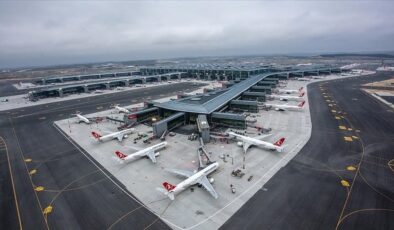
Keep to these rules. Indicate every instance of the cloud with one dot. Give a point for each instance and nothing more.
(61, 32)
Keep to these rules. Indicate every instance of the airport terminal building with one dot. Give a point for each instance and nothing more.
(244, 90)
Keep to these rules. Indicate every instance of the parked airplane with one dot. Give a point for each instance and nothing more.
(288, 98)
(303, 79)
(286, 107)
(121, 109)
(82, 118)
(290, 91)
(147, 152)
(199, 178)
(246, 142)
(116, 135)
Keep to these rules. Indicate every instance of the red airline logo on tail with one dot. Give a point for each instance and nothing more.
(168, 186)
(96, 135)
(280, 142)
(120, 155)
(301, 104)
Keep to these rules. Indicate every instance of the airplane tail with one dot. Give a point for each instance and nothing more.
(300, 89)
(96, 135)
(302, 94)
(280, 142)
(281, 148)
(168, 186)
(121, 155)
(168, 191)
(301, 104)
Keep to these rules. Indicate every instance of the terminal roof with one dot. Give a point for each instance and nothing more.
(216, 100)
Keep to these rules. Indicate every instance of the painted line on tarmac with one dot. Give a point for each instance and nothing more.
(13, 184)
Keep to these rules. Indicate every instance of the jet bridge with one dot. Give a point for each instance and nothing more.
(203, 127)
(257, 96)
(244, 105)
(264, 89)
(228, 120)
(168, 123)
(141, 115)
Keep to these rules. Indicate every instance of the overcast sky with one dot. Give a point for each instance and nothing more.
(60, 32)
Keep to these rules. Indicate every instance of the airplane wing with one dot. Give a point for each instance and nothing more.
(261, 137)
(107, 131)
(152, 156)
(120, 137)
(180, 172)
(207, 185)
(133, 147)
(245, 145)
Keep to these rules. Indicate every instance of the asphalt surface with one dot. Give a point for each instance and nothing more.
(318, 189)
(389, 99)
(40, 168)
(6, 89)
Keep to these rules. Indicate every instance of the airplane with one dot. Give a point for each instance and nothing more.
(288, 98)
(116, 135)
(121, 109)
(147, 152)
(248, 141)
(290, 91)
(192, 178)
(82, 119)
(286, 107)
(303, 79)
(98, 91)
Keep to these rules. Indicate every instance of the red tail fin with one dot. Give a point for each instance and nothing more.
(280, 142)
(168, 186)
(96, 135)
(302, 94)
(120, 155)
(301, 104)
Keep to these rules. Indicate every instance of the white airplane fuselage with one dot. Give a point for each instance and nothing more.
(303, 79)
(288, 91)
(82, 119)
(136, 156)
(286, 107)
(194, 179)
(288, 98)
(115, 135)
(121, 109)
(143, 152)
(260, 143)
